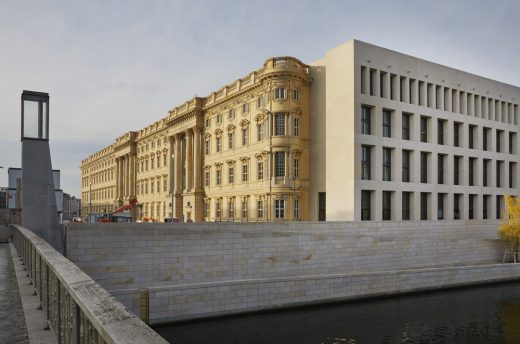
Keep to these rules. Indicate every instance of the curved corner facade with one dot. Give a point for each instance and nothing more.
(364, 133)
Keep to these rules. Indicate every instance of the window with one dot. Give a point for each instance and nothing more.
(296, 168)
(387, 205)
(244, 209)
(231, 140)
(498, 205)
(245, 108)
(471, 168)
(218, 142)
(279, 209)
(456, 134)
(158, 161)
(296, 209)
(231, 208)
(165, 184)
(260, 209)
(471, 204)
(456, 206)
(471, 134)
(387, 123)
(296, 94)
(498, 174)
(219, 176)
(245, 173)
(152, 160)
(260, 170)
(206, 208)
(231, 113)
(485, 173)
(440, 206)
(512, 143)
(365, 162)
(440, 168)
(207, 147)
(406, 205)
(406, 126)
(424, 167)
(218, 208)
(296, 127)
(279, 93)
(512, 174)
(485, 201)
(152, 186)
(365, 205)
(260, 130)
(279, 164)
(279, 124)
(485, 138)
(260, 102)
(158, 184)
(499, 140)
(206, 178)
(456, 169)
(365, 120)
(440, 131)
(231, 175)
(219, 118)
(406, 166)
(424, 206)
(424, 129)
(387, 164)
(164, 160)
(245, 136)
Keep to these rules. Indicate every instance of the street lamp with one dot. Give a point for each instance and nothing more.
(35, 115)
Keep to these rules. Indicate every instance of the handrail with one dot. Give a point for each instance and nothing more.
(78, 310)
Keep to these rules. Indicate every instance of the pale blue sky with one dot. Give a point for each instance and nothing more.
(115, 66)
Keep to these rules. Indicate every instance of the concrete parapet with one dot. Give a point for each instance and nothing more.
(76, 306)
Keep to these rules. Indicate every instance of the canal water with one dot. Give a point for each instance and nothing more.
(477, 315)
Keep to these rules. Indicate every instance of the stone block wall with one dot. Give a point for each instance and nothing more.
(217, 268)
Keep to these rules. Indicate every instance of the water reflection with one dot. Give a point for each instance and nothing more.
(489, 314)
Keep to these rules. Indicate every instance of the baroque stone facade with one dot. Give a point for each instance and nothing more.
(239, 154)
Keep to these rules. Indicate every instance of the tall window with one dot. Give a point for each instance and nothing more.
(206, 178)
(471, 204)
(406, 126)
(219, 118)
(456, 169)
(260, 170)
(424, 129)
(245, 172)
(218, 208)
(365, 205)
(245, 136)
(485, 200)
(279, 164)
(498, 174)
(440, 206)
(206, 147)
(279, 209)
(485, 168)
(231, 174)
(456, 134)
(165, 184)
(499, 140)
(406, 205)
(471, 134)
(296, 168)
(424, 167)
(296, 127)
(512, 142)
(406, 166)
(260, 102)
(387, 123)
(387, 205)
(440, 131)
(485, 133)
(296, 209)
(260, 131)
(440, 169)
(424, 206)
(218, 142)
(206, 208)
(245, 108)
(456, 206)
(219, 176)
(231, 208)
(231, 113)
(152, 186)
(296, 94)
(365, 162)
(244, 209)
(498, 206)
(471, 173)
(365, 120)
(260, 209)
(279, 124)
(231, 140)
(279, 93)
(387, 164)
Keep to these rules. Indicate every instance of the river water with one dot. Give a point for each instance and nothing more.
(477, 315)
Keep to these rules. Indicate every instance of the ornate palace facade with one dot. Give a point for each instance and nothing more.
(240, 154)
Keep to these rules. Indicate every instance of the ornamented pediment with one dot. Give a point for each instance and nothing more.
(231, 162)
(207, 135)
(244, 123)
(231, 128)
(218, 132)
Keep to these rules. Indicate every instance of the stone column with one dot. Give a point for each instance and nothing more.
(178, 176)
(116, 196)
(189, 159)
(120, 178)
(132, 175)
(197, 163)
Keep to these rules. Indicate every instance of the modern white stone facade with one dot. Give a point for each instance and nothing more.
(400, 138)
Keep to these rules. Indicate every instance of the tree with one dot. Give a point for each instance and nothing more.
(509, 229)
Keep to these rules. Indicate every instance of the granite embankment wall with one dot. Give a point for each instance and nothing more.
(206, 269)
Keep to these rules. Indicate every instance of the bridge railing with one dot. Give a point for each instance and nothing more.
(78, 310)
